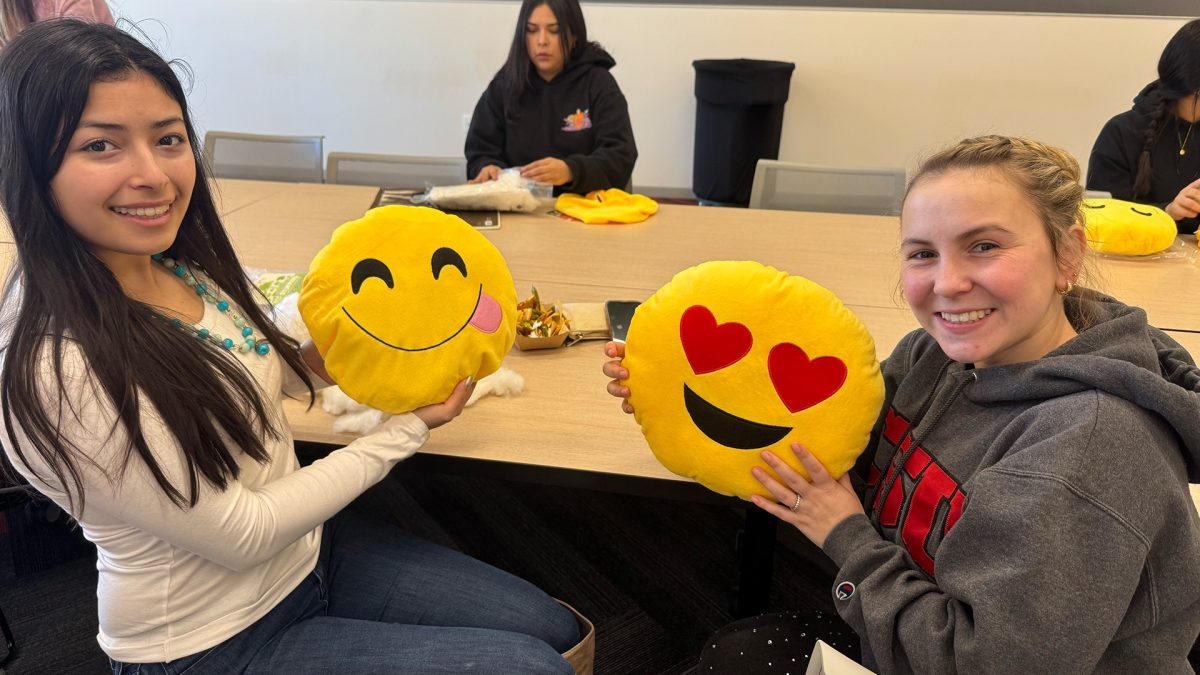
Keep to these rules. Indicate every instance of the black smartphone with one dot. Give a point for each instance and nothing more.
(619, 313)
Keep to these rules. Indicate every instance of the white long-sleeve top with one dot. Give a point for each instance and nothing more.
(174, 581)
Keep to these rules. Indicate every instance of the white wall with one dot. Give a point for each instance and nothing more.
(871, 88)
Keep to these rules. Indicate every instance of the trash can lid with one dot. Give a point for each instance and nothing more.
(743, 66)
(743, 81)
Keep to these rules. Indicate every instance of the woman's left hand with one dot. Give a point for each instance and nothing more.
(437, 414)
(547, 170)
(814, 506)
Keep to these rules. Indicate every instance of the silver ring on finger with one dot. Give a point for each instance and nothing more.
(797, 504)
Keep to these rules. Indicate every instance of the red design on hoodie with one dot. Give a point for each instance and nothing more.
(915, 502)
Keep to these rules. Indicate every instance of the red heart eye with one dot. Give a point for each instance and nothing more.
(802, 383)
(710, 346)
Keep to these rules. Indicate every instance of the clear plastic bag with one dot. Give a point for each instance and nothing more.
(509, 192)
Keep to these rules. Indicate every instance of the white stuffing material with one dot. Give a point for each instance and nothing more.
(354, 417)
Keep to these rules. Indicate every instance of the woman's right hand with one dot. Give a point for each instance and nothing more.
(437, 414)
(614, 369)
(1186, 204)
(489, 172)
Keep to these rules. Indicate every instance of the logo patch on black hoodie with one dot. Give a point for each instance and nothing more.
(577, 121)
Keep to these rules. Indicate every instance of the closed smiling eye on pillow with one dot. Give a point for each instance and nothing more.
(404, 303)
(731, 358)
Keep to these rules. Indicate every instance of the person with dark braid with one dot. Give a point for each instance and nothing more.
(1151, 153)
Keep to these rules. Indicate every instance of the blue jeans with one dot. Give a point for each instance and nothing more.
(383, 601)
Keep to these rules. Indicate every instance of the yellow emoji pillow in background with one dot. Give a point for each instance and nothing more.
(1125, 228)
(404, 303)
(732, 358)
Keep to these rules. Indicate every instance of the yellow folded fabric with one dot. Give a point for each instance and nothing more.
(607, 206)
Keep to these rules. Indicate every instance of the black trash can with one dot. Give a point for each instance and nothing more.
(739, 117)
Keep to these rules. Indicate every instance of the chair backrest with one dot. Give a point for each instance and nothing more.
(296, 159)
(801, 187)
(395, 171)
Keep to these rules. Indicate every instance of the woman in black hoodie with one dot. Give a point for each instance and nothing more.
(553, 109)
(1151, 154)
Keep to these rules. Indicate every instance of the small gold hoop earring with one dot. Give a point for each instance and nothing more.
(1070, 287)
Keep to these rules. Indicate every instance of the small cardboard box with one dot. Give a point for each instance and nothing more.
(526, 343)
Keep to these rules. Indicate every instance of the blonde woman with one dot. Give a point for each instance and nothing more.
(1024, 504)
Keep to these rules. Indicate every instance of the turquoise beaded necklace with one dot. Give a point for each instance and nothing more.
(243, 345)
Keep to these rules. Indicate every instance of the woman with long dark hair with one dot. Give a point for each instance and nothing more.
(553, 109)
(142, 387)
(1151, 153)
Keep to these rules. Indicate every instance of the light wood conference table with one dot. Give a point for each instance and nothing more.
(282, 225)
(581, 438)
(563, 428)
(854, 256)
(568, 262)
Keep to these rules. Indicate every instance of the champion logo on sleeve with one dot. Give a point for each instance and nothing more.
(844, 590)
(577, 121)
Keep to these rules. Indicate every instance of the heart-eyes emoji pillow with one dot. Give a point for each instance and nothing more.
(733, 358)
(404, 303)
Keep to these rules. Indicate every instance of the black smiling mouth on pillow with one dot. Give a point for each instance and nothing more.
(728, 429)
(442, 258)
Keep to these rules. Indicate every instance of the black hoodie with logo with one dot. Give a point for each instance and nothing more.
(580, 117)
(1114, 161)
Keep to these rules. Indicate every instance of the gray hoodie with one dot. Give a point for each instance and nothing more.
(1034, 517)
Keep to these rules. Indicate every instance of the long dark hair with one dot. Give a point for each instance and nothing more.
(1178, 77)
(572, 40)
(14, 15)
(67, 295)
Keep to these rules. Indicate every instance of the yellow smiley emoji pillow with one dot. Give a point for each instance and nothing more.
(733, 358)
(1125, 228)
(404, 303)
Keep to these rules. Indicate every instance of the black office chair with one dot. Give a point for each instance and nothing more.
(11, 497)
(40, 535)
(10, 645)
